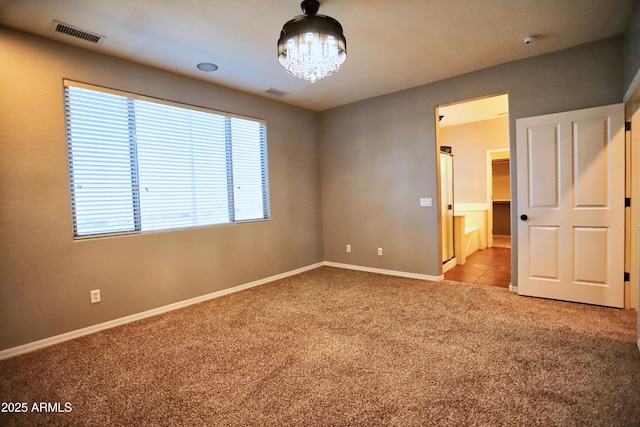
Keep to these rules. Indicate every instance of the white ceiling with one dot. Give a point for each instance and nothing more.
(391, 45)
(475, 110)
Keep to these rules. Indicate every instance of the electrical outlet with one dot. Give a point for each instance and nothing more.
(348, 248)
(379, 251)
(95, 296)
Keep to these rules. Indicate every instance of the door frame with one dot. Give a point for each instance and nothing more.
(632, 114)
(632, 214)
(488, 204)
(635, 209)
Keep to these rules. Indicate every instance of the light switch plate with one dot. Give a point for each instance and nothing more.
(426, 201)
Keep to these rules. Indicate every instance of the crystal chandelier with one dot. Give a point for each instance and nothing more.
(312, 46)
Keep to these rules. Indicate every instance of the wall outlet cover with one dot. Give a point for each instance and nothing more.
(95, 296)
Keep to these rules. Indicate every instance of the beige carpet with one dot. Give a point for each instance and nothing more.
(338, 347)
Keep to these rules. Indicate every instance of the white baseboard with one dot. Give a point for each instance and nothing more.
(513, 288)
(36, 345)
(383, 271)
(449, 265)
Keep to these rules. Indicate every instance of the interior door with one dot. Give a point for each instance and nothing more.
(571, 206)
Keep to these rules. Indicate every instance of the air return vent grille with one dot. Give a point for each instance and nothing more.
(276, 92)
(78, 33)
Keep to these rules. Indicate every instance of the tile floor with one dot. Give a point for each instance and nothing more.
(491, 266)
(501, 241)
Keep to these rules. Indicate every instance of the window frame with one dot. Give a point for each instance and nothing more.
(136, 214)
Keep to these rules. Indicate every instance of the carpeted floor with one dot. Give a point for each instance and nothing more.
(338, 347)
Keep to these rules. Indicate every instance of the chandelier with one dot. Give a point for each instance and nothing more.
(312, 46)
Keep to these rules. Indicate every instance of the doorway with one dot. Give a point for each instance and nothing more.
(499, 197)
(475, 133)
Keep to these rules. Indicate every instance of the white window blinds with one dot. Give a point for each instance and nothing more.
(138, 164)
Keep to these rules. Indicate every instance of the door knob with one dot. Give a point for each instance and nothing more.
(524, 217)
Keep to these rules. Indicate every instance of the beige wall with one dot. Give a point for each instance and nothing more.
(45, 276)
(469, 143)
(378, 156)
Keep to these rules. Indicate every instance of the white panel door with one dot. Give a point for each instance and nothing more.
(571, 206)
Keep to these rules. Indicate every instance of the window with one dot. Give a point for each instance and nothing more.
(139, 164)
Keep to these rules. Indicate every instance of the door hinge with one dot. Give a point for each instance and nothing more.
(627, 202)
(627, 277)
(627, 126)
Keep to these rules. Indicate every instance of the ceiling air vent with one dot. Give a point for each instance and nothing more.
(276, 92)
(78, 33)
